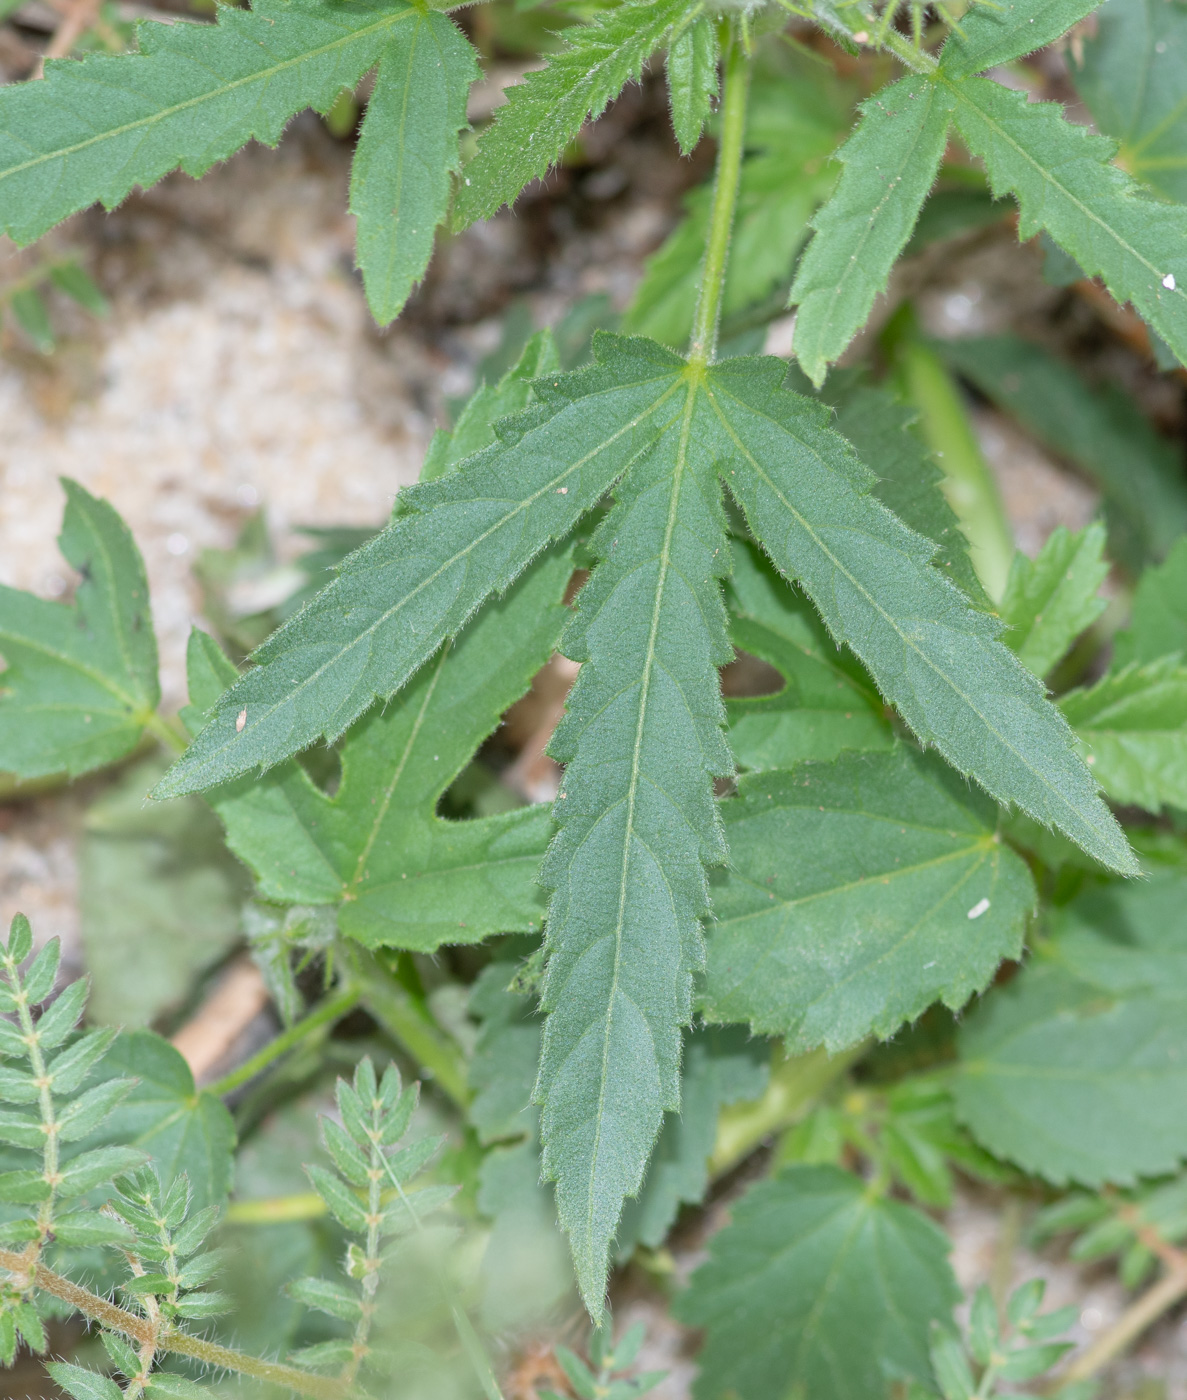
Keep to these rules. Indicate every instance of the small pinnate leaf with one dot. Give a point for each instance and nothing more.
(81, 680)
(1049, 601)
(327, 1297)
(81, 1384)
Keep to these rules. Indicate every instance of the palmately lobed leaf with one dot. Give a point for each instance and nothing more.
(818, 1286)
(807, 498)
(453, 543)
(193, 95)
(80, 680)
(642, 742)
(859, 892)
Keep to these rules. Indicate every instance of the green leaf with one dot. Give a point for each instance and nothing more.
(453, 542)
(81, 679)
(1050, 600)
(342, 1202)
(1133, 725)
(1063, 179)
(175, 1387)
(858, 893)
(400, 874)
(503, 1065)
(890, 164)
(692, 80)
(1158, 624)
(797, 113)
(192, 96)
(327, 1297)
(642, 742)
(1097, 427)
(1077, 1070)
(951, 1367)
(817, 1286)
(400, 180)
(97, 1168)
(1132, 78)
(721, 1066)
(1008, 29)
(88, 1227)
(83, 1385)
(157, 891)
(806, 497)
(183, 1130)
(883, 430)
(547, 110)
(827, 704)
(72, 279)
(33, 318)
(475, 425)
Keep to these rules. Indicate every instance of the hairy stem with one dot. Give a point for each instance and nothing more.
(725, 202)
(323, 1014)
(141, 1331)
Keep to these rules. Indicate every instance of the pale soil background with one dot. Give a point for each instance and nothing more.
(239, 368)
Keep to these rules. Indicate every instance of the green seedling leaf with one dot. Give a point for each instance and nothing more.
(182, 1129)
(1050, 600)
(1075, 1071)
(1133, 726)
(1158, 624)
(818, 1284)
(1064, 181)
(453, 542)
(1008, 29)
(547, 110)
(890, 164)
(859, 892)
(1131, 77)
(399, 874)
(721, 1066)
(408, 147)
(827, 704)
(805, 495)
(692, 80)
(1098, 428)
(80, 681)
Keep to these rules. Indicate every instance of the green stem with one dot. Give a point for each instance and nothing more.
(796, 1084)
(408, 1021)
(164, 731)
(141, 1331)
(324, 1014)
(725, 203)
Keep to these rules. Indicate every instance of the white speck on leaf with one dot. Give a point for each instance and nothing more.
(981, 907)
(1169, 281)
(241, 721)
